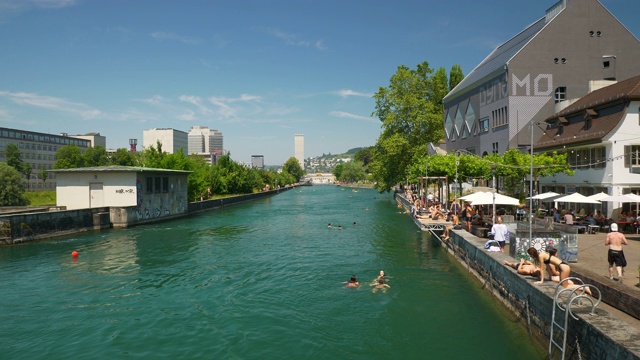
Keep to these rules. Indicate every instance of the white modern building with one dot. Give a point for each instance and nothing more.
(203, 140)
(299, 149)
(172, 140)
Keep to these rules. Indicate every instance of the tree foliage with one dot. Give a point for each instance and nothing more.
(455, 76)
(12, 187)
(411, 111)
(292, 166)
(352, 172)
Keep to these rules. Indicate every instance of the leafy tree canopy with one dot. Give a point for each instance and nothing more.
(12, 187)
(292, 166)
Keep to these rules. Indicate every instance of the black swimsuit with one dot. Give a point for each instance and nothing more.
(548, 261)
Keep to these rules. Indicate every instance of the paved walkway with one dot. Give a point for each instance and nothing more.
(592, 255)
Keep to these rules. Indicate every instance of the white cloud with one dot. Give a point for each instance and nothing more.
(8, 7)
(347, 115)
(195, 100)
(160, 35)
(295, 40)
(346, 93)
(52, 103)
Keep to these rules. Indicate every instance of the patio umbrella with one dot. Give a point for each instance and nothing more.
(621, 198)
(543, 195)
(599, 196)
(486, 198)
(576, 198)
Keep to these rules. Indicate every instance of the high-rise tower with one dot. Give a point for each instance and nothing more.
(299, 149)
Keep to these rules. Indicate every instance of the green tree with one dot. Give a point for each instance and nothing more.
(11, 187)
(14, 157)
(455, 76)
(411, 114)
(337, 171)
(69, 157)
(95, 156)
(440, 86)
(123, 157)
(44, 175)
(292, 166)
(26, 170)
(352, 171)
(364, 155)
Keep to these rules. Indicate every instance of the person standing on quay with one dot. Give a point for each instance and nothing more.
(615, 240)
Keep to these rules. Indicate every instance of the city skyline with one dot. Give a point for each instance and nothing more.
(258, 72)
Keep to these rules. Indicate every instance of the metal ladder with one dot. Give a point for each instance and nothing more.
(575, 294)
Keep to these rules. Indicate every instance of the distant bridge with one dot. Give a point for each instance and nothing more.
(321, 178)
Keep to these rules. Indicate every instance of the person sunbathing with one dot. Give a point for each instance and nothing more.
(524, 267)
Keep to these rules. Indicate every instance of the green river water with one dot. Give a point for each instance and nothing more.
(261, 280)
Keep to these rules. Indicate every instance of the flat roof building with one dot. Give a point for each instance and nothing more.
(172, 140)
(38, 150)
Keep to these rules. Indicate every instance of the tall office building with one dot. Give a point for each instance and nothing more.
(203, 140)
(299, 149)
(257, 161)
(172, 140)
(38, 150)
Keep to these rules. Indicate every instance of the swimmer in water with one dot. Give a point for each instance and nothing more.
(380, 285)
(339, 227)
(329, 226)
(353, 282)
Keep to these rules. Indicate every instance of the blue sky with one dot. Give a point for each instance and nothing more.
(259, 71)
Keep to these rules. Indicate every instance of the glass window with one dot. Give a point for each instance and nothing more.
(484, 125)
(561, 94)
(165, 184)
(149, 185)
(158, 184)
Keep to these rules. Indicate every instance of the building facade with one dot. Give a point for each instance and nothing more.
(95, 138)
(257, 161)
(38, 150)
(536, 73)
(172, 140)
(151, 193)
(203, 140)
(299, 149)
(600, 133)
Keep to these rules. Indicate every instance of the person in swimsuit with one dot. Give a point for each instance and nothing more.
(546, 258)
(615, 240)
(524, 267)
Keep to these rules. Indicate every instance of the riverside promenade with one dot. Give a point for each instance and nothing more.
(611, 330)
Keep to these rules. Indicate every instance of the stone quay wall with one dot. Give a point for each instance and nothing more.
(592, 336)
(22, 227)
(39, 225)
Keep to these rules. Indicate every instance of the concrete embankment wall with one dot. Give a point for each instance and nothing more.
(598, 336)
(34, 226)
(18, 228)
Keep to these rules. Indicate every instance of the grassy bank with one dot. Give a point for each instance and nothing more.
(41, 198)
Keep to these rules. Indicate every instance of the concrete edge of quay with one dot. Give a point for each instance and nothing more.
(596, 336)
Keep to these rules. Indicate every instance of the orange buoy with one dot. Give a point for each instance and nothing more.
(74, 253)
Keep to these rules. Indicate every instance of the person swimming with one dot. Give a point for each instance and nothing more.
(380, 284)
(353, 282)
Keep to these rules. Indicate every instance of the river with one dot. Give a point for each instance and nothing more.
(260, 280)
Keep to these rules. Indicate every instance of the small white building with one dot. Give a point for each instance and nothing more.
(147, 193)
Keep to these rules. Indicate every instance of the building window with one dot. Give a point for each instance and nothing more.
(561, 94)
(149, 185)
(158, 184)
(560, 130)
(606, 64)
(494, 148)
(632, 156)
(484, 125)
(165, 184)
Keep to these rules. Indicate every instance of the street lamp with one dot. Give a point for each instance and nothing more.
(531, 185)
(493, 172)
